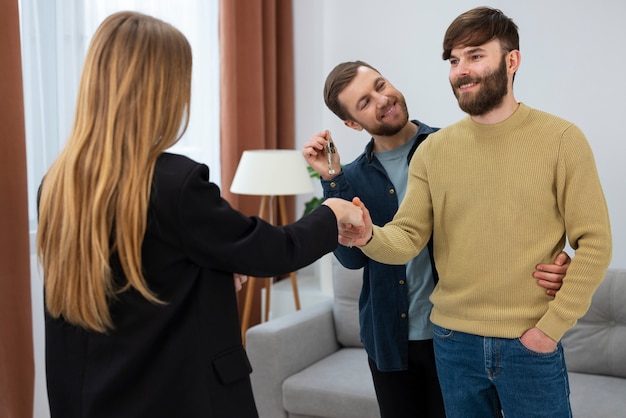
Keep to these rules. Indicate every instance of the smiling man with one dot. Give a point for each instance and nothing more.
(499, 190)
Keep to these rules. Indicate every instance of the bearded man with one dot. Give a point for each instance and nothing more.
(499, 190)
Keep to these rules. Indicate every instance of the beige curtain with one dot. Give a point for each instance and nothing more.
(257, 89)
(17, 369)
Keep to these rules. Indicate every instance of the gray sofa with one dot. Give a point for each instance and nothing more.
(595, 353)
(311, 364)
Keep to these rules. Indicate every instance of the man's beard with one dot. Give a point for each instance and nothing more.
(389, 129)
(492, 89)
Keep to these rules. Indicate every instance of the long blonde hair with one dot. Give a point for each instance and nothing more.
(133, 103)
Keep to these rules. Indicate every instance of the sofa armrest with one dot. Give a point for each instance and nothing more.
(284, 346)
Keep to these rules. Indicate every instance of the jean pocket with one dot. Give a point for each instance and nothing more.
(536, 353)
(441, 332)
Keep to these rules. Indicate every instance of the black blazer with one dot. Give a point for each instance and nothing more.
(184, 358)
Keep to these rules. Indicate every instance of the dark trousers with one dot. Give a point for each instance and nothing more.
(410, 393)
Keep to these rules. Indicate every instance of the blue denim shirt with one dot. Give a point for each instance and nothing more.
(384, 302)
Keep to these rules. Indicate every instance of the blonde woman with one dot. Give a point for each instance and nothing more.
(138, 248)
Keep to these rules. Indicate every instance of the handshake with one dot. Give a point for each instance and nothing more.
(353, 221)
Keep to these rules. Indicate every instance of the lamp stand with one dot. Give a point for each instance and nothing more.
(266, 212)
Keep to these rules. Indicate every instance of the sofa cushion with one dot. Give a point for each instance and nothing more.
(339, 385)
(596, 344)
(347, 288)
(595, 396)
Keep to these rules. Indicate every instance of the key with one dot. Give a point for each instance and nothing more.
(330, 150)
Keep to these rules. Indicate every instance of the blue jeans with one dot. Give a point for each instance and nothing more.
(486, 377)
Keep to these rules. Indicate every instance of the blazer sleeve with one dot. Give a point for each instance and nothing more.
(215, 235)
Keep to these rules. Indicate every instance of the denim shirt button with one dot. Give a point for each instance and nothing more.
(401, 282)
(333, 184)
(403, 315)
(392, 191)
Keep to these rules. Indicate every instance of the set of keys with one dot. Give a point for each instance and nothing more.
(330, 150)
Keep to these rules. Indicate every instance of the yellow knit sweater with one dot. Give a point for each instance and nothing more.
(500, 199)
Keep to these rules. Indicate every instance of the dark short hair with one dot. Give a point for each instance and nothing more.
(336, 81)
(479, 26)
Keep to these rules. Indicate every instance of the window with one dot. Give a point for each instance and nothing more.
(55, 37)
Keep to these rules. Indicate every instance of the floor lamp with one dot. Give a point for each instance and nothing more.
(272, 174)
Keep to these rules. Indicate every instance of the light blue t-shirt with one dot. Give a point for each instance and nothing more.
(419, 272)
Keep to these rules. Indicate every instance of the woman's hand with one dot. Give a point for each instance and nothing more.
(239, 279)
(350, 235)
(345, 211)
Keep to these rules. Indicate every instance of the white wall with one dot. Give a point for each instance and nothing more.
(572, 66)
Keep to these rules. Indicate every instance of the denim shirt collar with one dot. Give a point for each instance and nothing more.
(422, 133)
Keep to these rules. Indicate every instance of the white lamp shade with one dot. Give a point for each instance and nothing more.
(271, 173)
